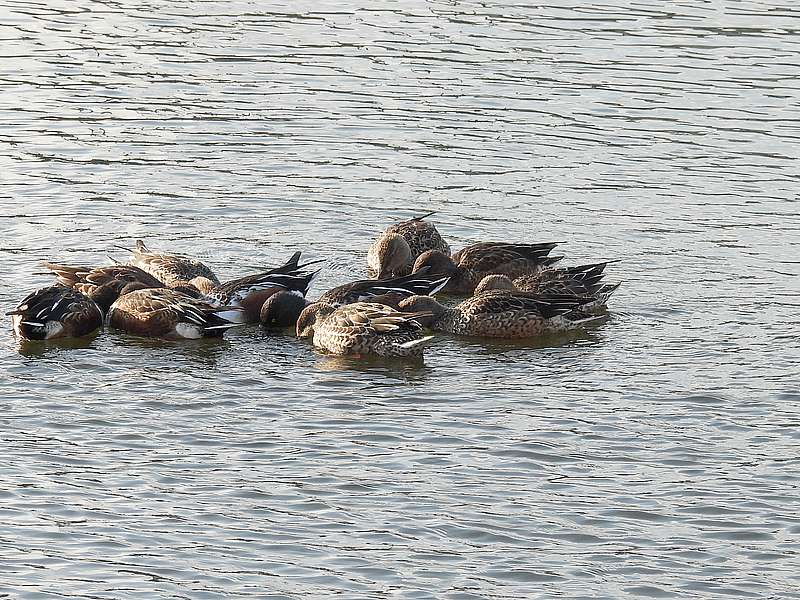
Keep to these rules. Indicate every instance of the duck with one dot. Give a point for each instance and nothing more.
(56, 311)
(279, 310)
(106, 283)
(170, 314)
(582, 281)
(385, 291)
(251, 291)
(502, 314)
(467, 267)
(394, 252)
(172, 269)
(363, 328)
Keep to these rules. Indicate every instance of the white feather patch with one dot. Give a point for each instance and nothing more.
(16, 324)
(31, 323)
(412, 343)
(189, 331)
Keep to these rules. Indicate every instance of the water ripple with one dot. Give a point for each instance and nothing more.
(653, 456)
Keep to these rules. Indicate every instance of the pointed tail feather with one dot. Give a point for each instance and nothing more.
(551, 260)
(419, 341)
(584, 319)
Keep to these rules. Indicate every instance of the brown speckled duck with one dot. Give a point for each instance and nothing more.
(502, 314)
(583, 281)
(103, 284)
(468, 266)
(170, 314)
(394, 252)
(171, 269)
(363, 328)
(54, 312)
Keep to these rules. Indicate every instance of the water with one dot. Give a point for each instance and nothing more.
(654, 456)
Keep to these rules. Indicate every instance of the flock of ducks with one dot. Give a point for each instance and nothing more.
(515, 291)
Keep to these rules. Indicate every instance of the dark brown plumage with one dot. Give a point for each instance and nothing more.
(251, 291)
(55, 312)
(103, 284)
(389, 291)
(583, 281)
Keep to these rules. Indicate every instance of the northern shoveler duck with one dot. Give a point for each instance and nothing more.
(282, 309)
(394, 252)
(168, 313)
(583, 281)
(251, 291)
(363, 328)
(103, 284)
(385, 291)
(55, 311)
(173, 269)
(468, 266)
(502, 314)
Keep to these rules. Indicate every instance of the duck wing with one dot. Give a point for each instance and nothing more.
(488, 256)
(544, 306)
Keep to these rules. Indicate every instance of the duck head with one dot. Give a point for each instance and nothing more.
(389, 256)
(282, 309)
(309, 317)
(495, 282)
(203, 285)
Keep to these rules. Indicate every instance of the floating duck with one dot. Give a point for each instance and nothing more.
(170, 314)
(54, 312)
(584, 281)
(468, 266)
(172, 269)
(363, 328)
(502, 314)
(251, 291)
(394, 252)
(104, 284)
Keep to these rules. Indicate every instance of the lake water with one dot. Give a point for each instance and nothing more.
(654, 456)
